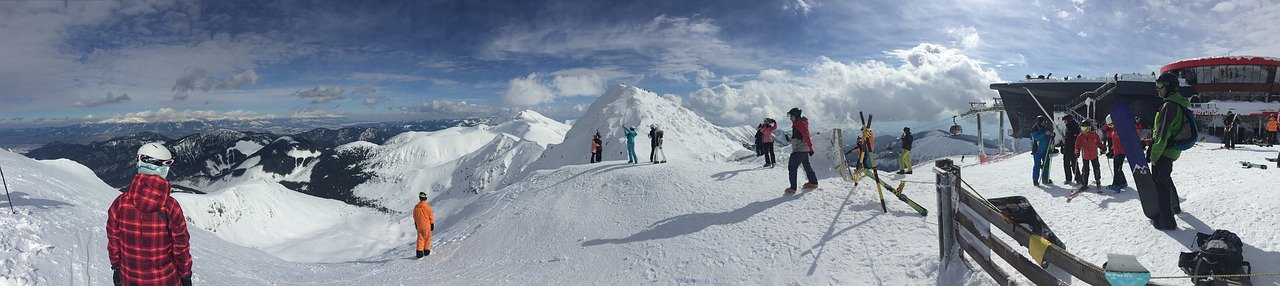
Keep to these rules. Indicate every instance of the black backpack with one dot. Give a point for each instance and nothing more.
(1220, 254)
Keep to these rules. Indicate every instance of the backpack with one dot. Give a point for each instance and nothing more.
(1220, 253)
(1185, 138)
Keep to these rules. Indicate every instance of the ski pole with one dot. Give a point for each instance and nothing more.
(6, 190)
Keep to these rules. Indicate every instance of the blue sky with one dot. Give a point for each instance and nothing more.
(732, 61)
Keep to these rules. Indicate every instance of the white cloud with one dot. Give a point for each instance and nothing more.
(173, 115)
(674, 98)
(448, 107)
(1224, 7)
(1082, 34)
(527, 91)
(110, 99)
(800, 6)
(930, 82)
(321, 94)
(374, 100)
(1063, 15)
(676, 46)
(965, 37)
(198, 79)
(384, 77)
(579, 85)
(443, 81)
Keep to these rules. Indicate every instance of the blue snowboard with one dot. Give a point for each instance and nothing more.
(1122, 117)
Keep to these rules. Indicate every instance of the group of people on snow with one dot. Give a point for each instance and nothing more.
(656, 155)
(1163, 146)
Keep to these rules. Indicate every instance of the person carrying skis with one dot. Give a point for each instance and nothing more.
(1115, 151)
(424, 219)
(1170, 123)
(1087, 145)
(631, 145)
(1070, 166)
(1229, 131)
(1041, 136)
(1272, 127)
(766, 138)
(904, 160)
(595, 148)
(801, 150)
(147, 239)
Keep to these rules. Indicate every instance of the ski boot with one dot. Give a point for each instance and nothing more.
(1047, 182)
(810, 185)
(789, 191)
(1034, 182)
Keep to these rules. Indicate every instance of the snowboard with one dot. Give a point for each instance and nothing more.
(1249, 165)
(1122, 117)
(1020, 211)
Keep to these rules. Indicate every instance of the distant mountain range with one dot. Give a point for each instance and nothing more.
(25, 139)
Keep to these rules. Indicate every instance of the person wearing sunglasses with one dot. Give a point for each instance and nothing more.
(1169, 125)
(147, 239)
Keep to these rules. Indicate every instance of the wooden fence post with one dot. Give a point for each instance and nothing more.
(948, 181)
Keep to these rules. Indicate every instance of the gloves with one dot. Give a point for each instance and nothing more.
(186, 281)
(115, 277)
(810, 152)
(433, 227)
(1110, 156)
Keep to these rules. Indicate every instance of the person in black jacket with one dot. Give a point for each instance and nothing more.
(904, 160)
(1070, 166)
(1229, 131)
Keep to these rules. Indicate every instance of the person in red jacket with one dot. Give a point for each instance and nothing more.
(1088, 145)
(801, 150)
(147, 239)
(595, 148)
(1116, 153)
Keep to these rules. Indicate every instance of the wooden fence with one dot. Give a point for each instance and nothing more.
(964, 223)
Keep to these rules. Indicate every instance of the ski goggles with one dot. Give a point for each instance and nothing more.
(155, 161)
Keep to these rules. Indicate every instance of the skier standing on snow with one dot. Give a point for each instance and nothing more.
(655, 137)
(424, 219)
(1169, 124)
(1229, 131)
(904, 161)
(1087, 145)
(1115, 151)
(801, 150)
(631, 145)
(147, 239)
(1070, 166)
(596, 147)
(766, 137)
(759, 140)
(1041, 136)
(1272, 127)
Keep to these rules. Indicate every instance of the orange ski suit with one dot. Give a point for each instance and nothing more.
(423, 218)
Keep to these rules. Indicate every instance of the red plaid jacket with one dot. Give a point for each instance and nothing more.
(138, 243)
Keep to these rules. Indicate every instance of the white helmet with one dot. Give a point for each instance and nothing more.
(155, 150)
(1109, 119)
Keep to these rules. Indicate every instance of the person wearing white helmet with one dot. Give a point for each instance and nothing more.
(147, 239)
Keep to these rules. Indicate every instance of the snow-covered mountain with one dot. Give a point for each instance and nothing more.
(687, 136)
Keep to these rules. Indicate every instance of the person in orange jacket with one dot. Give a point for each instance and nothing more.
(1272, 127)
(425, 220)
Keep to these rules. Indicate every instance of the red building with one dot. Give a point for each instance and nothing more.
(1245, 85)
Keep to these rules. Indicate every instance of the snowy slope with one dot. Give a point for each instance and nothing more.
(533, 126)
(687, 136)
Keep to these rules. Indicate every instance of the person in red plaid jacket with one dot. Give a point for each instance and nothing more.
(147, 237)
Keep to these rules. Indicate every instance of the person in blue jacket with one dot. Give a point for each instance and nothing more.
(1041, 136)
(631, 145)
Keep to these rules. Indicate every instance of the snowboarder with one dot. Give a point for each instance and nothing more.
(147, 239)
(1170, 123)
(595, 148)
(766, 138)
(631, 145)
(1087, 145)
(801, 150)
(904, 160)
(1229, 131)
(1041, 136)
(1272, 127)
(1070, 166)
(424, 219)
(1115, 151)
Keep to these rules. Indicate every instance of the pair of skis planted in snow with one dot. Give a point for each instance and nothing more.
(870, 171)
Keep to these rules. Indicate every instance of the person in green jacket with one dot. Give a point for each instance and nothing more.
(1168, 125)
